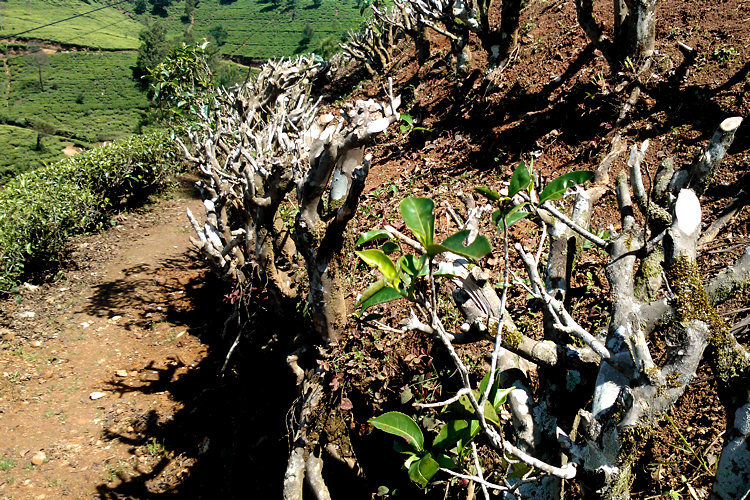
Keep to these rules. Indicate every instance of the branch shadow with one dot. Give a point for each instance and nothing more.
(229, 437)
(580, 114)
(142, 284)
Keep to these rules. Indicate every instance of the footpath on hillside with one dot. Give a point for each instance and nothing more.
(93, 363)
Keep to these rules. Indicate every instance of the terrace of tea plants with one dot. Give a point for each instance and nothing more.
(67, 65)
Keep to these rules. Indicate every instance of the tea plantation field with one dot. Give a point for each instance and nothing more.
(19, 151)
(108, 28)
(256, 28)
(260, 30)
(88, 97)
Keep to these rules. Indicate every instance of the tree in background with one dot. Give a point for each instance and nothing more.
(182, 84)
(307, 33)
(304, 43)
(140, 7)
(40, 59)
(159, 7)
(154, 47)
(328, 46)
(219, 34)
(189, 15)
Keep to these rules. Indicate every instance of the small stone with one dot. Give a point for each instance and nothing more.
(27, 314)
(36, 343)
(7, 335)
(121, 373)
(96, 395)
(150, 376)
(38, 458)
(742, 419)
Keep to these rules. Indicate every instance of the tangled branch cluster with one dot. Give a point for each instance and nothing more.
(260, 144)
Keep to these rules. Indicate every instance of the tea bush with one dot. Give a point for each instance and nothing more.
(41, 208)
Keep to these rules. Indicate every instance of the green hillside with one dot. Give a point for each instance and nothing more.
(259, 29)
(20, 151)
(88, 97)
(109, 28)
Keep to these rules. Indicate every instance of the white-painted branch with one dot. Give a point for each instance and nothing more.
(703, 170)
(462, 392)
(575, 227)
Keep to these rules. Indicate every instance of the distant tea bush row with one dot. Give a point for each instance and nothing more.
(41, 208)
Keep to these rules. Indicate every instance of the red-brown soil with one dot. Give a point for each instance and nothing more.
(121, 323)
(136, 317)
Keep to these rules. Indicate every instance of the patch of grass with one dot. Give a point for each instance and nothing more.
(154, 447)
(112, 472)
(724, 54)
(108, 28)
(6, 464)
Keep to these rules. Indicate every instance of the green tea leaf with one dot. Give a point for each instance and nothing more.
(488, 193)
(422, 470)
(490, 414)
(399, 424)
(556, 189)
(376, 258)
(389, 247)
(413, 266)
(520, 469)
(380, 296)
(500, 397)
(511, 216)
(377, 234)
(455, 244)
(497, 396)
(418, 216)
(489, 411)
(444, 460)
(451, 433)
(520, 180)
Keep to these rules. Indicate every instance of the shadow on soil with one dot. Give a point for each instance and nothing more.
(233, 427)
(581, 114)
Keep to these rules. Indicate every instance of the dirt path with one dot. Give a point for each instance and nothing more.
(89, 362)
